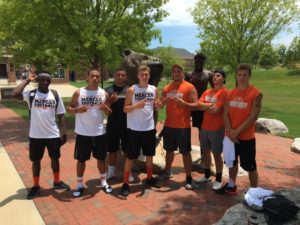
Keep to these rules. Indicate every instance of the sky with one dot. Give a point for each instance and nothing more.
(179, 30)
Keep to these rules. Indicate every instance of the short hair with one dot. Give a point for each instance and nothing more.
(222, 72)
(200, 55)
(244, 66)
(93, 69)
(121, 69)
(143, 67)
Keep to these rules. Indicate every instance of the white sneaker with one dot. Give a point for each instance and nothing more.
(131, 178)
(203, 180)
(110, 174)
(217, 185)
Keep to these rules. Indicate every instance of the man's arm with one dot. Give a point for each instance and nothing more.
(157, 103)
(62, 128)
(73, 107)
(17, 91)
(128, 106)
(104, 106)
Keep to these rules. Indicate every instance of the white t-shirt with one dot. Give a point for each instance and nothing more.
(142, 119)
(90, 123)
(43, 122)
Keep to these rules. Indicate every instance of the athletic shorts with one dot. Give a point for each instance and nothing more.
(177, 138)
(85, 145)
(138, 140)
(197, 118)
(114, 137)
(246, 150)
(212, 140)
(37, 148)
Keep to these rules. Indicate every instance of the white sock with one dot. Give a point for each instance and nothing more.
(231, 183)
(80, 182)
(103, 179)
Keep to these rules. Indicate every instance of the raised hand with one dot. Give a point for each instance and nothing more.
(113, 98)
(140, 104)
(32, 73)
(82, 109)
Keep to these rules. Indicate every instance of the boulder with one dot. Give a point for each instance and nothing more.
(273, 126)
(296, 146)
(239, 213)
(132, 60)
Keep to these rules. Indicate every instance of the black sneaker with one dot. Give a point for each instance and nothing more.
(61, 186)
(152, 182)
(34, 191)
(125, 190)
(227, 190)
(189, 183)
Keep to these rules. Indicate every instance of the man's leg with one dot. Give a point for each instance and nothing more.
(169, 161)
(36, 169)
(187, 162)
(253, 178)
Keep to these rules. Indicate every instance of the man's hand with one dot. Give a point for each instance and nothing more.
(179, 101)
(105, 108)
(140, 104)
(82, 109)
(32, 74)
(113, 98)
(232, 134)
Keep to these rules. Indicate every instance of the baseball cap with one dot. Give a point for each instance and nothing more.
(178, 66)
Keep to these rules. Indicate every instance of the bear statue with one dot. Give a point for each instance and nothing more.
(132, 60)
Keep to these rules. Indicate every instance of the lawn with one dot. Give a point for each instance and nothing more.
(280, 88)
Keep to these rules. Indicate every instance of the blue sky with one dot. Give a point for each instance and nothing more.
(178, 29)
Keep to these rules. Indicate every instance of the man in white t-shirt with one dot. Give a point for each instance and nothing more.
(44, 105)
(89, 105)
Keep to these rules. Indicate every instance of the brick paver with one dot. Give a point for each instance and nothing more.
(172, 204)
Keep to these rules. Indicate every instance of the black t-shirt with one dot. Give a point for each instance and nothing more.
(117, 119)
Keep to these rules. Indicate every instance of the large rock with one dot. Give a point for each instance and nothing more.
(132, 60)
(273, 126)
(239, 213)
(296, 146)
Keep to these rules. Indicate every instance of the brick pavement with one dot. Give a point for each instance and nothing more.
(172, 204)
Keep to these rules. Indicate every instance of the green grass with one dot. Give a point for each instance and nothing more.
(280, 88)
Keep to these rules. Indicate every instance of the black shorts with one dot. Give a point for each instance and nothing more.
(177, 138)
(85, 145)
(114, 137)
(246, 150)
(138, 140)
(197, 118)
(37, 148)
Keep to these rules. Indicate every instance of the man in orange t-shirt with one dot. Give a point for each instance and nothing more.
(212, 131)
(177, 129)
(240, 113)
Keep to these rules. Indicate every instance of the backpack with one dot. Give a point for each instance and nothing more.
(277, 208)
(32, 94)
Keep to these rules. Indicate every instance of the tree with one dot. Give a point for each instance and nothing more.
(268, 58)
(91, 32)
(169, 57)
(293, 53)
(236, 30)
(281, 50)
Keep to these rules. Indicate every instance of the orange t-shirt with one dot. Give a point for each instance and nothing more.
(177, 116)
(214, 121)
(240, 104)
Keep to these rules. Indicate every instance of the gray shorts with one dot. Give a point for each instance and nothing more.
(212, 140)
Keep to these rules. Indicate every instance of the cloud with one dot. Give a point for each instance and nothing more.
(178, 13)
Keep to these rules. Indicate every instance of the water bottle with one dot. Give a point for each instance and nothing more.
(253, 220)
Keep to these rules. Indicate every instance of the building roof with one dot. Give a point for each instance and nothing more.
(183, 53)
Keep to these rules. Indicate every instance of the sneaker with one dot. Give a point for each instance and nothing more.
(131, 178)
(125, 190)
(164, 176)
(217, 185)
(34, 191)
(78, 192)
(203, 180)
(152, 182)
(189, 184)
(227, 190)
(110, 174)
(61, 186)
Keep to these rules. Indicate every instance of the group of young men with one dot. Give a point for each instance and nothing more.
(216, 112)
